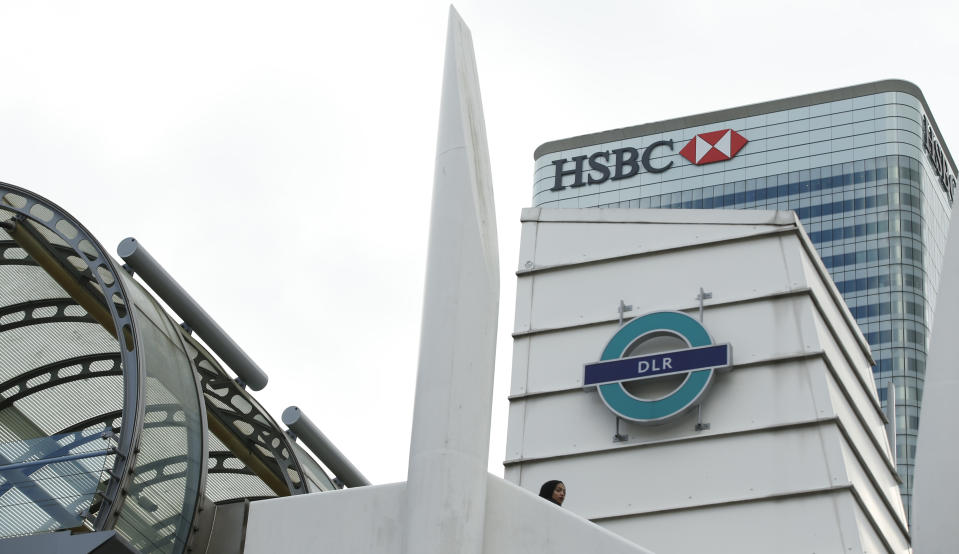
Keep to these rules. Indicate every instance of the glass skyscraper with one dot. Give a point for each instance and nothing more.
(865, 169)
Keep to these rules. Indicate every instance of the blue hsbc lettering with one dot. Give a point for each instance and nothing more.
(626, 163)
(938, 159)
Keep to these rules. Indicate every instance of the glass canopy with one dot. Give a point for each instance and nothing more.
(112, 416)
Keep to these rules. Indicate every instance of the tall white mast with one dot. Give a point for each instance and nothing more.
(449, 448)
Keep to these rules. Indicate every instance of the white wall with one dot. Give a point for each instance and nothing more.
(795, 426)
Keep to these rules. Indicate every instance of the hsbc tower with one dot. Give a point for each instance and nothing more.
(866, 170)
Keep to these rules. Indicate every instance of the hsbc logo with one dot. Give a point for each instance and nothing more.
(622, 163)
(716, 146)
(937, 157)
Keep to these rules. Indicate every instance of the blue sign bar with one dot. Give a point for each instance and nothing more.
(655, 365)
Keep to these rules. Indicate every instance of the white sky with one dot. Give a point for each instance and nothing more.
(277, 158)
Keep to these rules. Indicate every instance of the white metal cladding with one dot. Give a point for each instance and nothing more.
(795, 424)
(821, 529)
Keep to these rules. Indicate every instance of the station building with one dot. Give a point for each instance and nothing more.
(689, 405)
(866, 170)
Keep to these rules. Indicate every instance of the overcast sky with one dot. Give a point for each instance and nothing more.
(277, 157)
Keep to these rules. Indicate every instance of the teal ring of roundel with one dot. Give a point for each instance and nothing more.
(628, 406)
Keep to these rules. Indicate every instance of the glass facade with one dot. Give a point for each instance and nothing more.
(855, 172)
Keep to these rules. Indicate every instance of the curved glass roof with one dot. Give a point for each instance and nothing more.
(101, 391)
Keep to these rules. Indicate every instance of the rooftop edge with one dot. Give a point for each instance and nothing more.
(844, 93)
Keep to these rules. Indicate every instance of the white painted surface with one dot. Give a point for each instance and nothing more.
(446, 490)
(370, 520)
(625, 481)
(565, 244)
(520, 522)
(794, 424)
(828, 525)
(935, 500)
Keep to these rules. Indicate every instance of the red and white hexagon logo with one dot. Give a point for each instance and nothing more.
(715, 146)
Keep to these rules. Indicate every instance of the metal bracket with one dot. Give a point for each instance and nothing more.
(623, 307)
(264, 447)
(700, 426)
(702, 296)
(48, 376)
(619, 437)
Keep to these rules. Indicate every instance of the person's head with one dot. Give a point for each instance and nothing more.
(554, 491)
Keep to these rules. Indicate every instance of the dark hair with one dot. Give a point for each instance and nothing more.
(546, 491)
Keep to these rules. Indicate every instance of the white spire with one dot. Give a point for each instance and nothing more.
(449, 447)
